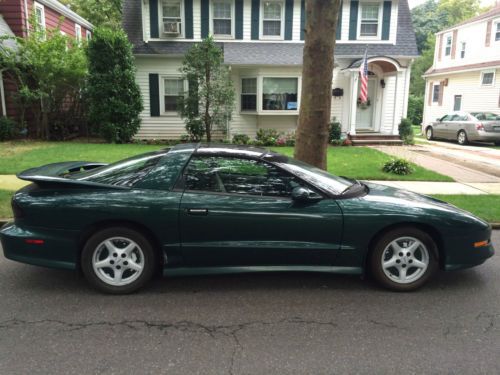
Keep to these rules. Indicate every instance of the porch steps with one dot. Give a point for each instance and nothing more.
(374, 139)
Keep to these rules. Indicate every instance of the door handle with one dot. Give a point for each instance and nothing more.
(197, 211)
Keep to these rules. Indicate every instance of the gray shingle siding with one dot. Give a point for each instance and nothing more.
(270, 53)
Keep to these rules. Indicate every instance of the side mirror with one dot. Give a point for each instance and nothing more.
(301, 194)
(438, 119)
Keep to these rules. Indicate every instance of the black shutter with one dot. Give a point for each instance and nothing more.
(193, 95)
(338, 34)
(288, 19)
(386, 20)
(154, 94)
(353, 20)
(205, 18)
(238, 22)
(188, 16)
(255, 19)
(302, 19)
(154, 24)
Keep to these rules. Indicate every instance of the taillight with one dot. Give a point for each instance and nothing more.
(16, 209)
(479, 126)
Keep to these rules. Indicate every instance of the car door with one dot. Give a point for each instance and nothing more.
(453, 126)
(439, 127)
(239, 212)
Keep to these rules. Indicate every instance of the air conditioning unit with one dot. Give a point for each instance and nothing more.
(172, 28)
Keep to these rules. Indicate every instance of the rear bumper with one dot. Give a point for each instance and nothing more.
(58, 250)
(484, 136)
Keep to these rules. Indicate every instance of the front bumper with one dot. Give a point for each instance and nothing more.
(58, 250)
(461, 253)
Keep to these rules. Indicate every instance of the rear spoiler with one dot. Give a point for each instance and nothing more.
(56, 172)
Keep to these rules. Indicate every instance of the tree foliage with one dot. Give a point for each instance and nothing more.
(113, 96)
(98, 12)
(210, 100)
(48, 70)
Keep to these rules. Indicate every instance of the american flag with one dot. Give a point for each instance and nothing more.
(363, 76)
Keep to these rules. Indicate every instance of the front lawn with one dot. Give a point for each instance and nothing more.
(486, 207)
(5, 210)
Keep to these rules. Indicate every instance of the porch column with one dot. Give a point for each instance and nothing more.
(354, 101)
(2, 95)
(395, 129)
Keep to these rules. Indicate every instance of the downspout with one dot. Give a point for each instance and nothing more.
(26, 16)
(407, 88)
(2, 94)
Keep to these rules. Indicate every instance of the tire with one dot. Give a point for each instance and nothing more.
(462, 138)
(401, 272)
(118, 260)
(429, 134)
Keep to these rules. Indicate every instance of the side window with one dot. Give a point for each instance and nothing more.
(238, 176)
(446, 118)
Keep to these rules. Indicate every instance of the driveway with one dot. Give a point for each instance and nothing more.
(51, 322)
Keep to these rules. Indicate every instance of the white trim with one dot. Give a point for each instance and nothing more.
(161, 85)
(78, 33)
(2, 95)
(68, 13)
(282, 22)
(463, 48)
(250, 111)
(492, 71)
(39, 6)
(88, 35)
(211, 21)
(495, 30)
(380, 20)
(447, 73)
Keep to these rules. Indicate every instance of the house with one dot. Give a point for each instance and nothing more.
(262, 42)
(48, 14)
(464, 75)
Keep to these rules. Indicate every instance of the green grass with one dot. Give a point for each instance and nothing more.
(366, 164)
(486, 207)
(5, 210)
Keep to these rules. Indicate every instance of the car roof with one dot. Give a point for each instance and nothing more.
(223, 149)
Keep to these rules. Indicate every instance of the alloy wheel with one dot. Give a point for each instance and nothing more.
(428, 134)
(405, 260)
(462, 138)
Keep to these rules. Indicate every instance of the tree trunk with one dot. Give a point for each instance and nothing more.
(208, 130)
(317, 73)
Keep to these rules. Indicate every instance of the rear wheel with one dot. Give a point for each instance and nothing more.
(118, 260)
(462, 137)
(404, 259)
(429, 134)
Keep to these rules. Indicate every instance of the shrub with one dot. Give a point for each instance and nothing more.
(267, 137)
(335, 132)
(195, 129)
(290, 139)
(7, 129)
(398, 166)
(415, 109)
(406, 131)
(241, 139)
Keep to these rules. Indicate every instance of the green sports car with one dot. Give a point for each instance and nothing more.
(198, 208)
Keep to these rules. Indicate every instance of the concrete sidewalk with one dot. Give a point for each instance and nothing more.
(11, 182)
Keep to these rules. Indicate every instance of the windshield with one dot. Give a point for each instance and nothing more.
(318, 177)
(486, 116)
(123, 173)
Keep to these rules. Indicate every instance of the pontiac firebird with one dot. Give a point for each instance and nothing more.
(201, 208)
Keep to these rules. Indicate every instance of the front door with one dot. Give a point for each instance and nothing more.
(364, 112)
(237, 211)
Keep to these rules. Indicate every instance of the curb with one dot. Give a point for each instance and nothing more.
(5, 221)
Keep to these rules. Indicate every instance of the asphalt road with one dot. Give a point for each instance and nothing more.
(51, 322)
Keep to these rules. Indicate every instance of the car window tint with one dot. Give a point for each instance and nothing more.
(238, 176)
(455, 118)
(486, 116)
(446, 118)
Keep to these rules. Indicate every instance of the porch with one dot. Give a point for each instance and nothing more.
(371, 138)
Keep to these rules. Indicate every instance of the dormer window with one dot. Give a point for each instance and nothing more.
(497, 33)
(222, 18)
(272, 20)
(370, 23)
(171, 18)
(447, 48)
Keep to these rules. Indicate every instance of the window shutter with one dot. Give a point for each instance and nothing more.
(440, 46)
(488, 33)
(386, 20)
(255, 19)
(288, 19)
(353, 20)
(188, 16)
(441, 89)
(302, 19)
(205, 18)
(238, 22)
(193, 93)
(338, 33)
(431, 93)
(154, 94)
(154, 23)
(454, 44)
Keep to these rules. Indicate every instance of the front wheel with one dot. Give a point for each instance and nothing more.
(404, 259)
(118, 260)
(429, 134)
(462, 138)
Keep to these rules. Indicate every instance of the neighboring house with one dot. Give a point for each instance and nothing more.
(262, 42)
(48, 14)
(464, 76)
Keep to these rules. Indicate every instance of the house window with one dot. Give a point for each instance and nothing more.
(447, 49)
(40, 17)
(78, 33)
(272, 19)
(497, 33)
(370, 20)
(222, 14)
(462, 50)
(457, 103)
(279, 94)
(249, 94)
(171, 18)
(173, 91)
(487, 78)
(435, 93)
(88, 35)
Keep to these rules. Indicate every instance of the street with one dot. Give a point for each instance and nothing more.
(51, 322)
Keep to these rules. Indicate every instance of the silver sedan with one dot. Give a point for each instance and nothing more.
(465, 127)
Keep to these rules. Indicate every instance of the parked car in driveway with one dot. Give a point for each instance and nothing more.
(197, 209)
(465, 127)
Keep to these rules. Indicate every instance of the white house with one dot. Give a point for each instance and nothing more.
(464, 76)
(262, 42)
